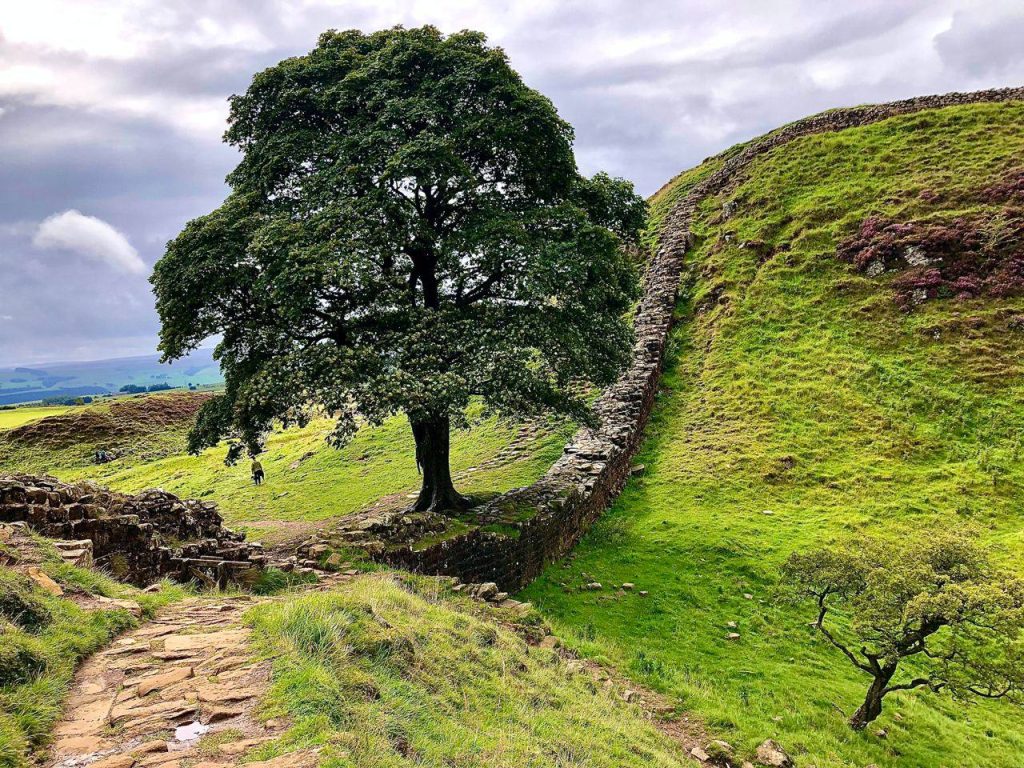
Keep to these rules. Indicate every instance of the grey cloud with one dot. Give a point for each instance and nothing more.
(651, 88)
(983, 46)
(794, 45)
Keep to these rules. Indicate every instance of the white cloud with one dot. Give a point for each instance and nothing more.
(91, 237)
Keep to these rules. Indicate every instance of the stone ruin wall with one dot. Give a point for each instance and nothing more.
(140, 538)
(597, 462)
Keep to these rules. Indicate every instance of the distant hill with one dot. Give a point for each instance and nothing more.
(97, 377)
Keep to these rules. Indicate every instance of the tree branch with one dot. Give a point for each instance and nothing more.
(481, 290)
(822, 610)
(915, 683)
(990, 693)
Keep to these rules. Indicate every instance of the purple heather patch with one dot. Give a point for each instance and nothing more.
(980, 254)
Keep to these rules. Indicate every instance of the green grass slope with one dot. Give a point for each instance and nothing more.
(16, 417)
(137, 429)
(801, 405)
(308, 482)
(392, 671)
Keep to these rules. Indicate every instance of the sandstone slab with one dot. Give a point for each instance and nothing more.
(43, 581)
(157, 682)
(215, 640)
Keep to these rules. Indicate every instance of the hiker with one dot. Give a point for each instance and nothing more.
(257, 471)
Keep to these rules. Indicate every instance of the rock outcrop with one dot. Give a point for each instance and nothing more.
(139, 538)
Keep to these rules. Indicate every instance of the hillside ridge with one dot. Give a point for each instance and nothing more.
(802, 406)
(596, 463)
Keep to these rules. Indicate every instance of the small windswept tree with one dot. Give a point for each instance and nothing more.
(406, 230)
(921, 611)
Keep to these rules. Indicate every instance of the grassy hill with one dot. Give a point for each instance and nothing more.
(15, 417)
(308, 482)
(137, 429)
(395, 671)
(812, 396)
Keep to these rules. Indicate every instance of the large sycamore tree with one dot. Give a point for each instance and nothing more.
(407, 229)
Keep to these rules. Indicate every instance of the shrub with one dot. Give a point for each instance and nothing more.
(1009, 189)
(980, 254)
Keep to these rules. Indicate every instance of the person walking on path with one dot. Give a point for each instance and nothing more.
(257, 471)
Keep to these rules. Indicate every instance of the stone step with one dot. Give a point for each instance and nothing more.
(78, 553)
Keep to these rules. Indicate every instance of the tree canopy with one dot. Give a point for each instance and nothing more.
(934, 603)
(407, 229)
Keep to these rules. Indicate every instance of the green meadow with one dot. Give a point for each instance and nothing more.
(308, 482)
(15, 417)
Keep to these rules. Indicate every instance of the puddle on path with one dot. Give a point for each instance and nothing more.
(190, 732)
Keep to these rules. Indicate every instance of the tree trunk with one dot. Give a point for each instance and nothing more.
(872, 706)
(438, 493)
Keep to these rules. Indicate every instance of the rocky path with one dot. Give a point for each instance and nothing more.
(151, 697)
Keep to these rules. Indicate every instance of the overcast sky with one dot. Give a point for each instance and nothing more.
(111, 112)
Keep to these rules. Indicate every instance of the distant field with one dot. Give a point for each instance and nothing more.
(19, 416)
(26, 384)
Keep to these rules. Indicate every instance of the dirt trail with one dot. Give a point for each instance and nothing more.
(149, 698)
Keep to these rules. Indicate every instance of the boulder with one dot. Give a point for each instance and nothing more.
(113, 604)
(77, 553)
(720, 752)
(485, 591)
(770, 753)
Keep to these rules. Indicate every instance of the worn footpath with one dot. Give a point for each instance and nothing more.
(157, 694)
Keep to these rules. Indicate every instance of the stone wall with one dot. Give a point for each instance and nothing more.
(139, 538)
(597, 462)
